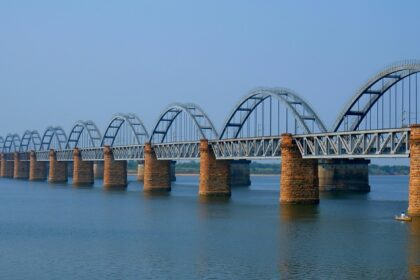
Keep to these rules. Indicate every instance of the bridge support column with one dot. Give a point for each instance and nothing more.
(351, 175)
(157, 173)
(140, 171)
(115, 172)
(173, 174)
(214, 174)
(240, 173)
(82, 170)
(21, 168)
(414, 185)
(299, 177)
(6, 167)
(37, 169)
(98, 169)
(58, 169)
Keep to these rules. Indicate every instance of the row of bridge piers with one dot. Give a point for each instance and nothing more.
(301, 179)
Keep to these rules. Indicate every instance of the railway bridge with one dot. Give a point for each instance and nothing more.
(381, 120)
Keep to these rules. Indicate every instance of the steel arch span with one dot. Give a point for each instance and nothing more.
(53, 138)
(183, 122)
(295, 106)
(31, 140)
(84, 134)
(389, 114)
(125, 129)
(1, 143)
(11, 143)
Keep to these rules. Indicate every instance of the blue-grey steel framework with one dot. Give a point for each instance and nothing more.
(299, 109)
(204, 128)
(53, 138)
(31, 141)
(370, 92)
(84, 128)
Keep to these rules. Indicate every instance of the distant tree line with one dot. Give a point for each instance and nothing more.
(193, 167)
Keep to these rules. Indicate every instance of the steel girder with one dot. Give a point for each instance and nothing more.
(178, 151)
(287, 97)
(357, 144)
(135, 124)
(49, 135)
(385, 79)
(31, 140)
(90, 128)
(197, 115)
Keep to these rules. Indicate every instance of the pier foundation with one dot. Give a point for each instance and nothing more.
(115, 172)
(414, 184)
(140, 171)
(37, 169)
(214, 174)
(7, 167)
(347, 175)
(299, 177)
(98, 169)
(240, 173)
(21, 168)
(157, 173)
(58, 169)
(82, 170)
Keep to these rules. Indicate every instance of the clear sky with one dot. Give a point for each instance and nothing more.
(61, 61)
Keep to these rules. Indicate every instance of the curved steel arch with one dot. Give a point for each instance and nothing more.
(11, 143)
(90, 127)
(168, 116)
(286, 96)
(28, 137)
(390, 76)
(1, 143)
(49, 135)
(134, 122)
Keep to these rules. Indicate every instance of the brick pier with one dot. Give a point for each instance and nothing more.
(115, 172)
(6, 167)
(299, 177)
(214, 174)
(21, 168)
(82, 170)
(58, 169)
(414, 185)
(37, 169)
(157, 173)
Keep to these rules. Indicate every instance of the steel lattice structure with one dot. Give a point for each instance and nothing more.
(90, 130)
(371, 91)
(53, 138)
(31, 141)
(298, 108)
(135, 133)
(11, 143)
(203, 125)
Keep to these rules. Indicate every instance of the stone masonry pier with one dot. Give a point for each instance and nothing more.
(7, 167)
(214, 174)
(37, 169)
(157, 173)
(299, 177)
(414, 184)
(21, 168)
(82, 170)
(58, 169)
(115, 172)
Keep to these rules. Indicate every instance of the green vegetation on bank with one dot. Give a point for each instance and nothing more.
(193, 167)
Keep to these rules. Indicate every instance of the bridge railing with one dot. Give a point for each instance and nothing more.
(357, 144)
(132, 152)
(248, 148)
(42, 155)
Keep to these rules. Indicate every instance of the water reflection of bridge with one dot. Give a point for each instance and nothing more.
(268, 123)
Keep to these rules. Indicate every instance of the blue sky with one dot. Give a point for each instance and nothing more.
(61, 61)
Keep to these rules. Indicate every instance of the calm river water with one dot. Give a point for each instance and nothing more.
(60, 232)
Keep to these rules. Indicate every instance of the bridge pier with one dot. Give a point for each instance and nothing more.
(173, 175)
(82, 170)
(37, 169)
(21, 168)
(58, 169)
(299, 177)
(214, 174)
(115, 172)
(140, 171)
(98, 169)
(348, 175)
(240, 173)
(6, 167)
(157, 173)
(414, 184)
